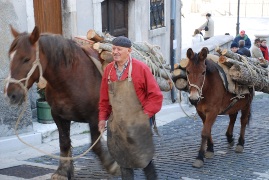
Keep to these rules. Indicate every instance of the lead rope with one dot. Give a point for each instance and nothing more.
(36, 64)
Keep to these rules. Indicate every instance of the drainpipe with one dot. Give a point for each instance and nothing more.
(173, 44)
(237, 24)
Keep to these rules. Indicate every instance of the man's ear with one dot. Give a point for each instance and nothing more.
(130, 50)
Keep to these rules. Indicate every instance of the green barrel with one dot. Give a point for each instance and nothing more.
(43, 112)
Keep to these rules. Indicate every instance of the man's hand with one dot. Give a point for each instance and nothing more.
(101, 125)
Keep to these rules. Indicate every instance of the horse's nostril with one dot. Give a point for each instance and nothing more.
(194, 101)
(13, 97)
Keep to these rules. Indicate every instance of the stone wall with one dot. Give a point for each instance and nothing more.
(12, 12)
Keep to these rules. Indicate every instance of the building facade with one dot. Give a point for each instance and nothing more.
(140, 20)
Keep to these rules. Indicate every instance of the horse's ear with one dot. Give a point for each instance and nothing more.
(203, 53)
(34, 35)
(190, 53)
(13, 31)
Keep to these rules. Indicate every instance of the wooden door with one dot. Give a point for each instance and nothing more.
(115, 17)
(48, 15)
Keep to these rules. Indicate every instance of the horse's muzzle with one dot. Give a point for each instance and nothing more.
(194, 101)
(15, 96)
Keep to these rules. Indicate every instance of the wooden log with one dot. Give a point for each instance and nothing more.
(243, 75)
(164, 84)
(178, 73)
(230, 62)
(181, 84)
(102, 46)
(213, 57)
(183, 63)
(107, 56)
(230, 54)
(82, 40)
(218, 50)
(104, 64)
(93, 35)
(149, 49)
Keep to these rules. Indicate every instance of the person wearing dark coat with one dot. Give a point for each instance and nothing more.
(242, 36)
(242, 50)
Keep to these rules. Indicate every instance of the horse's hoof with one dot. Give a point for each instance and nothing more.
(239, 149)
(114, 169)
(231, 144)
(58, 177)
(198, 163)
(209, 155)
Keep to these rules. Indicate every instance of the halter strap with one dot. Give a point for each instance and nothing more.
(35, 64)
(200, 90)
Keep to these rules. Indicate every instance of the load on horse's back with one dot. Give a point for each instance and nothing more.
(68, 70)
(211, 98)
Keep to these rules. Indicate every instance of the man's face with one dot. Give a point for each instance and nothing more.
(120, 54)
(234, 49)
(242, 34)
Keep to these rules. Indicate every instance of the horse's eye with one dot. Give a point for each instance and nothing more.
(25, 60)
(203, 73)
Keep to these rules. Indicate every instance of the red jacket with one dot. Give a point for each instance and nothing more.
(146, 87)
(264, 52)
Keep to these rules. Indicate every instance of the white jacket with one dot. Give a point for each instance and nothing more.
(197, 38)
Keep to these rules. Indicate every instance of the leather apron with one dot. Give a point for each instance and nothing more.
(129, 136)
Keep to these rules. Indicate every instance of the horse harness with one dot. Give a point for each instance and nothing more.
(225, 81)
(36, 64)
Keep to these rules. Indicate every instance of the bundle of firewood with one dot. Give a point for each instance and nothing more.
(252, 72)
(242, 70)
(143, 51)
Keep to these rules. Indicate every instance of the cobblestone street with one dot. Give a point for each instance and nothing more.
(178, 146)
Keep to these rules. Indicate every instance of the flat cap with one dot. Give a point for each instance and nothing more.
(122, 41)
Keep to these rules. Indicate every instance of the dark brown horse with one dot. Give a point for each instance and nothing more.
(210, 98)
(72, 90)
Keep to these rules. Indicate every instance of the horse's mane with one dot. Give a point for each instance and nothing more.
(58, 49)
(211, 66)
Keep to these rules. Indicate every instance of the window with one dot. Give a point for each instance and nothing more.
(156, 14)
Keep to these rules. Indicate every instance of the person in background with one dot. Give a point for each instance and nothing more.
(242, 36)
(242, 50)
(256, 51)
(208, 26)
(129, 97)
(197, 37)
(264, 49)
(234, 47)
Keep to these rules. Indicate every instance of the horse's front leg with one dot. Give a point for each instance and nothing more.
(229, 132)
(244, 121)
(206, 137)
(66, 168)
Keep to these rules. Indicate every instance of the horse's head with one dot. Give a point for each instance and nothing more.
(23, 54)
(196, 72)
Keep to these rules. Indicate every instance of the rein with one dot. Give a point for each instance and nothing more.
(36, 64)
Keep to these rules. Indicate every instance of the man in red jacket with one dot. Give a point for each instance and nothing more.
(129, 97)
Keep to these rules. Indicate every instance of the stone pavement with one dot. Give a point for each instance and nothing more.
(176, 150)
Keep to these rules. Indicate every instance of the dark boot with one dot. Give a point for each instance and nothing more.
(127, 173)
(150, 172)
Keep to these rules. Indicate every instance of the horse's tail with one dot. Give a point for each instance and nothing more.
(251, 96)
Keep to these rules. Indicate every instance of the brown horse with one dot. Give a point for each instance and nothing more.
(72, 91)
(210, 98)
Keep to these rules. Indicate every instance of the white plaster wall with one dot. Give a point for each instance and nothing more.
(84, 16)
